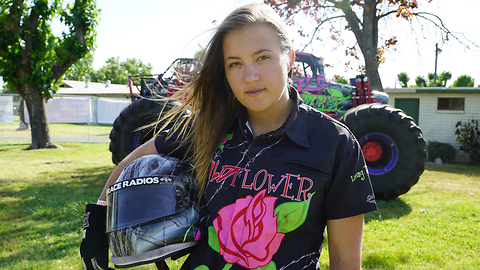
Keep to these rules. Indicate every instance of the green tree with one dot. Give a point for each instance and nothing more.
(81, 70)
(340, 79)
(112, 71)
(420, 81)
(117, 72)
(403, 79)
(33, 60)
(442, 79)
(136, 67)
(463, 81)
(362, 18)
(431, 78)
(445, 77)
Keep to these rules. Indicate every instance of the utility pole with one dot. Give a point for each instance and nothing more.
(437, 51)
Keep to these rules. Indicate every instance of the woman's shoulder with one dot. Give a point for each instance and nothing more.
(320, 125)
(316, 117)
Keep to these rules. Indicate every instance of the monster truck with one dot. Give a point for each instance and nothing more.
(392, 144)
(133, 126)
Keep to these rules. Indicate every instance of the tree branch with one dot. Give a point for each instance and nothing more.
(318, 27)
(32, 24)
(387, 14)
(353, 21)
(79, 29)
(440, 25)
(288, 9)
(79, 41)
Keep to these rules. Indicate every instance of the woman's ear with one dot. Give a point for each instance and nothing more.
(292, 59)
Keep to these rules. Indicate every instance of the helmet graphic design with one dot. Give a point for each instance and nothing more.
(151, 211)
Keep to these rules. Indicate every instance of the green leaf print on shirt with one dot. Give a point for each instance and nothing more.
(213, 239)
(291, 215)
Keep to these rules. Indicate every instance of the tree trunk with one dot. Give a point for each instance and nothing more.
(23, 125)
(366, 34)
(369, 45)
(37, 111)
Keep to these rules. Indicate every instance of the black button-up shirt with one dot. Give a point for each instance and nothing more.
(268, 197)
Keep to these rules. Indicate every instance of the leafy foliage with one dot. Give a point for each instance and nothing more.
(445, 151)
(31, 54)
(33, 59)
(114, 70)
(463, 81)
(117, 72)
(420, 81)
(340, 79)
(81, 70)
(403, 79)
(469, 137)
(442, 79)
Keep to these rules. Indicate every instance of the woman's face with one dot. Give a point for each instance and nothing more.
(257, 69)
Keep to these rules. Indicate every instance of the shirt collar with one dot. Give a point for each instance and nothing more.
(295, 127)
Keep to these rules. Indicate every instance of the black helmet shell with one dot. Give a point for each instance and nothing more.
(152, 211)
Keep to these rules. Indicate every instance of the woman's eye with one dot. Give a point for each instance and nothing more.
(264, 57)
(234, 64)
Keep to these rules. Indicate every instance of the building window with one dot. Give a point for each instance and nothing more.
(451, 104)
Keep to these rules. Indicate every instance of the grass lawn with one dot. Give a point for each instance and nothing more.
(10, 134)
(43, 195)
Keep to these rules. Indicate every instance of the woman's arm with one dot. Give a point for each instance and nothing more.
(147, 148)
(345, 242)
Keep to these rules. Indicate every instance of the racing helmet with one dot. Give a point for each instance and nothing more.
(152, 211)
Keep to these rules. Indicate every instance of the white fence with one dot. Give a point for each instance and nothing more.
(71, 119)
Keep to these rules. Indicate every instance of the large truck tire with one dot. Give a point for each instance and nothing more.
(128, 130)
(392, 144)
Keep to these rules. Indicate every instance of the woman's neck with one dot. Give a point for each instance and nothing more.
(262, 123)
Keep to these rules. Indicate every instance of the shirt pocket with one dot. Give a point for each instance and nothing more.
(308, 168)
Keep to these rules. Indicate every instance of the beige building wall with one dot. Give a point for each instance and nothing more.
(439, 125)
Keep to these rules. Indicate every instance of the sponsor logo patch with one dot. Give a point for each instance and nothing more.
(360, 175)
(140, 181)
(371, 198)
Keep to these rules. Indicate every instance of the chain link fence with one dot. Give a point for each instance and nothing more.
(89, 119)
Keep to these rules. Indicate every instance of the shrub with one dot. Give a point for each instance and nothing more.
(469, 138)
(420, 81)
(340, 79)
(403, 79)
(445, 151)
(463, 81)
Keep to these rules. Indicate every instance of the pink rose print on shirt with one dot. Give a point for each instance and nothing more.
(247, 231)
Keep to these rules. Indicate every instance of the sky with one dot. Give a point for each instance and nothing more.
(158, 32)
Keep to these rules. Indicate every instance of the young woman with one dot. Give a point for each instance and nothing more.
(272, 172)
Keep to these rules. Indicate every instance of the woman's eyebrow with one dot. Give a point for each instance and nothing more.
(254, 54)
(261, 51)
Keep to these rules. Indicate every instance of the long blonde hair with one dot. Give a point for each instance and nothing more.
(209, 96)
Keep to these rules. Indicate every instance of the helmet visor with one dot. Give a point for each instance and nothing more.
(143, 199)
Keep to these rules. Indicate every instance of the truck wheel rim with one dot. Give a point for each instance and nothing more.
(142, 136)
(380, 152)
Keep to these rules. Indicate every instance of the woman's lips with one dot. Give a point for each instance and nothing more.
(254, 91)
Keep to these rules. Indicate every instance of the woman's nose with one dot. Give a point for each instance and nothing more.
(251, 73)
